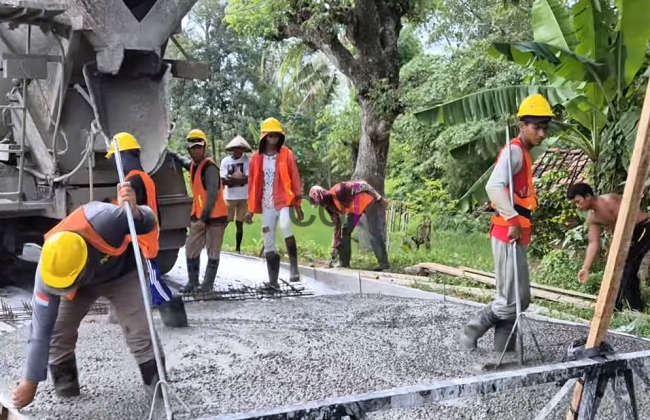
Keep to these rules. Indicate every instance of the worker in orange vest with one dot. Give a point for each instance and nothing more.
(351, 199)
(209, 213)
(87, 255)
(274, 188)
(171, 308)
(511, 224)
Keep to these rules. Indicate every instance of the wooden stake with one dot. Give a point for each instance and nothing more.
(621, 241)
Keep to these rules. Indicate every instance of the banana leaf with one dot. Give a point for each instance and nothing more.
(493, 104)
(552, 24)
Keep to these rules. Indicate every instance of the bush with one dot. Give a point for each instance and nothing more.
(555, 216)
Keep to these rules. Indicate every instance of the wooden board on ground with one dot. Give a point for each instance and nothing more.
(541, 286)
(558, 295)
(618, 249)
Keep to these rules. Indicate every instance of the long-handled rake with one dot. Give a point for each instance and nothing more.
(144, 286)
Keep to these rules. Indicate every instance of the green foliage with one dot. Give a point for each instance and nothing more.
(554, 216)
(560, 268)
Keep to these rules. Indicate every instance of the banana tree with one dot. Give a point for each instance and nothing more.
(590, 54)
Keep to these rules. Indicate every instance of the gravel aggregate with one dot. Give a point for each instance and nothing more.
(240, 356)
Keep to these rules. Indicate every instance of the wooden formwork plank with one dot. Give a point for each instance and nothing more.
(619, 247)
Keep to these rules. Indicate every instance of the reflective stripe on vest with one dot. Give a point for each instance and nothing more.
(201, 195)
(256, 179)
(78, 223)
(359, 201)
(524, 194)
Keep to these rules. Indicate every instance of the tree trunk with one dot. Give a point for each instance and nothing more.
(371, 161)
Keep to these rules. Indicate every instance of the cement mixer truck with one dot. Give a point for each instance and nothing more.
(75, 72)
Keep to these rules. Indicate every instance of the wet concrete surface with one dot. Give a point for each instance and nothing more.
(239, 356)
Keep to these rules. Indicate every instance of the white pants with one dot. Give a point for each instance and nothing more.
(270, 218)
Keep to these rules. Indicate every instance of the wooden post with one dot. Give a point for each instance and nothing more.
(620, 242)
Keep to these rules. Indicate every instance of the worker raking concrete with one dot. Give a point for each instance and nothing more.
(171, 308)
(234, 176)
(603, 212)
(351, 200)
(87, 255)
(209, 213)
(274, 188)
(511, 224)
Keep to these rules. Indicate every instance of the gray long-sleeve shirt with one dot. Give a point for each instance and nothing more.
(500, 180)
(212, 179)
(111, 223)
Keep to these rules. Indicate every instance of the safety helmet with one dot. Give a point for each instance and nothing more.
(125, 141)
(535, 106)
(271, 125)
(63, 257)
(196, 137)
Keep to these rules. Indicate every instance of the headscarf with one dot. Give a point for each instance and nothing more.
(317, 194)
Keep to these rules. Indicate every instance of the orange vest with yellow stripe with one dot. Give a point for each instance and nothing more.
(201, 195)
(525, 196)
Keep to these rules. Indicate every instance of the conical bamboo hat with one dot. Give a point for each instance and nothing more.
(239, 141)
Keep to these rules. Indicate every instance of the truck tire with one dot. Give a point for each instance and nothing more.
(166, 260)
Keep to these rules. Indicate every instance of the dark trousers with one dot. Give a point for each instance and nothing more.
(629, 293)
(376, 240)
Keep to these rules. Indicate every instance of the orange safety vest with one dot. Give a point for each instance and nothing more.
(201, 195)
(78, 223)
(525, 195)
(149, 242)
(256, 179)
(357, 206)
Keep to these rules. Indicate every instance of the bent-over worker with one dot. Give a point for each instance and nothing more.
(209, 213)
(170, 307)
(274, 188)
(603, 213)
(234, 175)
(87, 255)
(351, 200)
(511, 224)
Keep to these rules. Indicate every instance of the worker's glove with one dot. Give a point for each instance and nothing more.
(23, 394)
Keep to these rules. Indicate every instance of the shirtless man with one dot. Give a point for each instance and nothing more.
(604, 212)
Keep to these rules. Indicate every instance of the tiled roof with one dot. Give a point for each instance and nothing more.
(574, 161)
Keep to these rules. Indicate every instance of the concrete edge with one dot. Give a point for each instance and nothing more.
(348, 283)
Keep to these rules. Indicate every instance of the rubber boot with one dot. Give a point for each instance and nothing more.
(273, 267)
(210, 276)
(345, 251)
(65, 378)
(379, 248)
(477, 326)
(239, 235)
(501, 333)
(193, 267)
(149, 373)
(292, 250)
(173, 313)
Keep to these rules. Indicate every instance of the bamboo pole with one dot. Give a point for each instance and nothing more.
(620, 243)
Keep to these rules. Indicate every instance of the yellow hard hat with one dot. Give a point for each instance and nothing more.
(196, 137)
(271, 125)
(535, 106)
(125, 141)
(63, 257)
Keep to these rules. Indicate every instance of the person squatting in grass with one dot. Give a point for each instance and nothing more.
(87, 255)
(171, 308)
(209, 213)
(511, 224)
(603, 213)
(234, 175)
(274, 188)
(351, 200)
